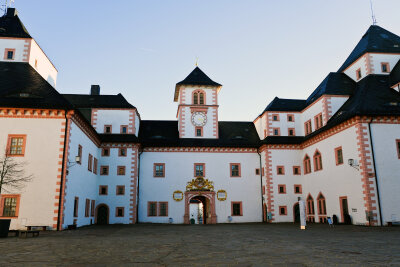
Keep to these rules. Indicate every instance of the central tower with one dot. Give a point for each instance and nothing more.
(197, 97)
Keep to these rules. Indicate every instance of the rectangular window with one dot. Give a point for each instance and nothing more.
(339, 155)
(358, 74)
(87, 207)
(276, 131)
(398, 147)
(16, 145)
(318, 121)
(103, 190)
(104, 170)
(122, 152)
(9, 54)
(79, 154)
(9, 205)
(120, 190)
(282, 189)
(308, 127)
(105, 152)
(95, 166)
(107, 129)
(282, 210)
(76, 205)
(291, 132)
(199, 169)
(297, 189)
(121, 170)
(124, 129)
(151, 209)
(237, 208)
(257, 171)
(119, 212)
(265, 133)
(199, 131)
(92, 207)
(275, 117)
(290, 117)
(163, 209)
(159, 170)
(296, 170)
(385, 67)
(280, 170)
(90, 162)
(235, 169)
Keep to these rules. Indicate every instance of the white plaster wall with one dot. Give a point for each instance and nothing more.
(351, 71)
(207, 128)
(189, 90)
(377, 59)
(137, 123)
(387, 169)
(42, 156)
(283, 124)
(116, 118)
(179, 169)
(259, 127)
(337, 103)
(17, 44)
(314, 109)
(44, 66)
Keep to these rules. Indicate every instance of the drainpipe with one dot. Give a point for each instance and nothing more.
(62, 172)
(376, 174)
(137, 187)
(262, 196)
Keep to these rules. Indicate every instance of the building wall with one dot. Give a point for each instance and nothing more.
(360, 63)
(44, 66)
(113, 117)
(336, 103)
(19, 44)
(376, 60)
(179, 169)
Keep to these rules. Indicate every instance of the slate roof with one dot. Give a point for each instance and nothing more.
(281, 104)
(165, 134)
(11, 26)
(21, 78)
(395, 74)
(98, 101)
(376, 39)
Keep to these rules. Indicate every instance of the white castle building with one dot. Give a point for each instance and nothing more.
(95, 161)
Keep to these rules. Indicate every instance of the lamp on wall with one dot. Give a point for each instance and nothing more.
(353, 163)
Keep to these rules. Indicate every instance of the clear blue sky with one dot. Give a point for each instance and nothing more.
(256, 49)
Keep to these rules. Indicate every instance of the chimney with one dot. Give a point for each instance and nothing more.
(11, 12)
(95, 90)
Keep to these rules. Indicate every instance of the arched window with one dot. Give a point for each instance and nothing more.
(321, 204)
(310, 205)
(195, 98)
(317, 161)
(307, 164)
(198, 98)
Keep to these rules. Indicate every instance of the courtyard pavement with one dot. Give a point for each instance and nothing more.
(207, 245)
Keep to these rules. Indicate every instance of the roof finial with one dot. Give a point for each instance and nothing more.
(7, 4)
(197, 61)
(373, 14)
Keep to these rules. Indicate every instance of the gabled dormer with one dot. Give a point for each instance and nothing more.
(197, 97)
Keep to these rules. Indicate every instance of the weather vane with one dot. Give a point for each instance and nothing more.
(7, 4)
(197, 61)
(373, 14)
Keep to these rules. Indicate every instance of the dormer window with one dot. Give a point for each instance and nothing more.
(198, 98)
(385, 67)
(358, 74)
(9, 54)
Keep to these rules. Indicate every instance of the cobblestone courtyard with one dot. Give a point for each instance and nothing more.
(208, 245)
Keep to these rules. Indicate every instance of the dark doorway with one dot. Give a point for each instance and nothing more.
(296, 213)
(203, 200)
(102, 214)
(346, 219)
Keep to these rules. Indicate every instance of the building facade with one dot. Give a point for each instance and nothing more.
(94, 160)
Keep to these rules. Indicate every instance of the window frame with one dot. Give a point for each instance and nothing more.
(282, 168)
(398, 147)
(307, 127)
(387, 67)
(3, 198)
(310, 209)
(290, 116)
(279, 131)
(95, 165)
(122, 149)
(6, 51)
(317, 161)
(231, 171)
(337, 156)
(105, 127)
(197, 94)
(240, 206)
(258, 171)
(87, 207)
(318, 121)
(159, 208)
(121, 129)
(201, 131)
(90, 162)
(101, 170)
(155, 165)
(358, 74)
(92, 207)
(321, 204)
(100, 191)
(149, 203)
(204, 169)
(297, 167)
(9, 142)
(76, 207)
(123, 168)
(299, 186)
(117, 193)
(294, 131)
(279, 189)
(80, 149)
(285, 210)
(307, 164)
(116, 212)
(277, 117)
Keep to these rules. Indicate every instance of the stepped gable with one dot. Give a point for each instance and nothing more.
(376, 39)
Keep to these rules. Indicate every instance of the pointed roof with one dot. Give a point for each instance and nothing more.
(376, 39)
(11, 25)
(281, 104)
(196, 77)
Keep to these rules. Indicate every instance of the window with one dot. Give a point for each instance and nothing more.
(280, 170)
(92, 207)
(163, 209)
(290, 117)
(199, 131)
(119, 212)
(36, 63)
(80, 154)
(122, 152)
(103, 190)
(107, 129)
(76, 205)
(121, 170)
(237, 209)
(310, 205)
(105, 152)
(276, 131)
(317, 161)
(398, 147)
(385, 67)
(151, 209)
(9, 205)
(339, 155)
(275, 117)
(297, 189)
(257, 171)
(16, 145)
(120, 190)
(90, 162)
(87, 207)
(235, 169)
(95, 166)
(296, 170)
(198, 97)
(321, 204)
(308, 127)
(199, 169)
(281, 189)
(9, 54)
(318, 121)
(358, 74)
(104, 170)
(291, 132)
(124, 129)
(307, 164)
(282, 210)
(159, 170)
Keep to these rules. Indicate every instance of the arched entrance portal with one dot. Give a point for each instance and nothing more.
(198, 210)
(207, 199)
(296, 213)
(102, 214)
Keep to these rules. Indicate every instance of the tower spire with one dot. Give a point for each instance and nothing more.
(372, 13)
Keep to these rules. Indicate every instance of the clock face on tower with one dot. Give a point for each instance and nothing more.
(199, 119)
